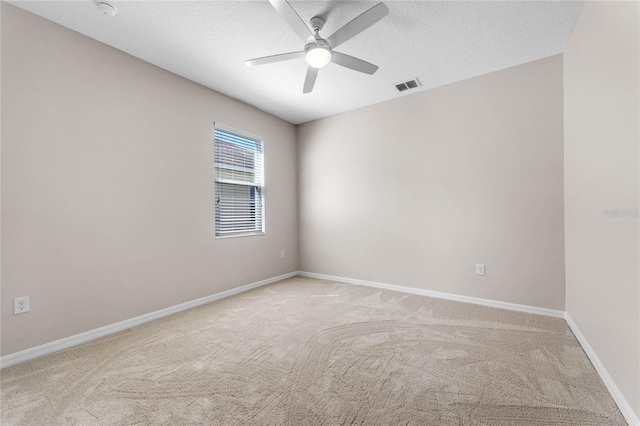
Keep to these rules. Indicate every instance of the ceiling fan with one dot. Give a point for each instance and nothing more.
(318, 51)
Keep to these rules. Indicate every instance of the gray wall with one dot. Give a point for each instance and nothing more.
(417, 190)
(107, 186)
(602, 133)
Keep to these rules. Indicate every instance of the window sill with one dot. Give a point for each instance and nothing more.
(252, 234)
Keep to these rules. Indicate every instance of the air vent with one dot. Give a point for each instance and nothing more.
(411, 84)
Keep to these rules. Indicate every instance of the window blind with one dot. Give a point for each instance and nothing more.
(239, 163)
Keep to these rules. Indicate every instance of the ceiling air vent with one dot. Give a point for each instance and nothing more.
(411, 84)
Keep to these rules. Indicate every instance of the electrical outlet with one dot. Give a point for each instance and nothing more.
(20, 305)
(281, 254)
(479, 269)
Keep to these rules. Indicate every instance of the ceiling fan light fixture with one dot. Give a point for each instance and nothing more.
(317, 55)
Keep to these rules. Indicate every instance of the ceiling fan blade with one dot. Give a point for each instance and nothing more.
(310, 79)
(359, 24)
(356, 64)
(293, 19)
(274, 58)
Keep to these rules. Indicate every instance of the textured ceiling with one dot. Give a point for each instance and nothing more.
(439, 42)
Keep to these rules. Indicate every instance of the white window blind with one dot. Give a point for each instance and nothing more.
(239, 164)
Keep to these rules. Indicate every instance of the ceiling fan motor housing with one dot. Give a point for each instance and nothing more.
(318, 52)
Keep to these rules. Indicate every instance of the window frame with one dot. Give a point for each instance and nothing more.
(247, 135)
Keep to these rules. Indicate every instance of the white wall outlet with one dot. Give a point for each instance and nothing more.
(479, 269)
(20, 305)
(281, 254)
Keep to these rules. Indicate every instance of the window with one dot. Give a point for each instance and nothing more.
(239, 163)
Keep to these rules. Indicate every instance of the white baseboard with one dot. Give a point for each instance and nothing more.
(620, 400)
(67, 342)
(439, 295)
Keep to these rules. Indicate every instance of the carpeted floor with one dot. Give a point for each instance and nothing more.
(310, 352)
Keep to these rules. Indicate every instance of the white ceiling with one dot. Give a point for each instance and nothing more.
(439, 42)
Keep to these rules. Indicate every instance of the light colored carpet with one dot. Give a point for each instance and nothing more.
(310, 352)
